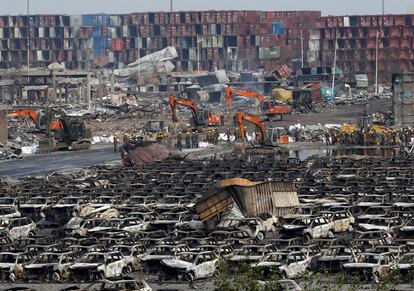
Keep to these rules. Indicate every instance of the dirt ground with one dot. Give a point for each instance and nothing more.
(330, 114)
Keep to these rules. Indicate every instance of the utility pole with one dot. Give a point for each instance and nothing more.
(379, 30)
(28, 34)
(301, 46)
(334, 66)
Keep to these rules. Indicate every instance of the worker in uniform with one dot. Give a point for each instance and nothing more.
(188, 139)
(245, 134)
(180, 141)
(228, 134)
(193, 140)
(197, 139)
(327, 136)
(115, 143)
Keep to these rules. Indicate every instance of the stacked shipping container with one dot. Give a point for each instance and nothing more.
(235, 40)
(356, 41)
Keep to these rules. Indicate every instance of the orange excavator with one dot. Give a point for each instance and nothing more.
(37, 117)
(230, 93)
(200, 116)
(60, 131)
(269, 137)
(270, 108)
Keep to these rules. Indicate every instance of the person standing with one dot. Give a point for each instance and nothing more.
(115, 143)
(187, 140)
(180, 141)
(197, 139)
(222, 120)
(228, 134)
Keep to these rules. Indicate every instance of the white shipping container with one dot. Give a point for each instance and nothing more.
(41, 32)
(16, 32)
(75, 20)
(66, 44)
(347, 23)
(66, 32)
(124, 31)
(51, 32)
(315, 34)
(39, 56)
(192, 52)
(111, 57)
(213, 29)
(1, 33)
(314, 45)
(113, 32)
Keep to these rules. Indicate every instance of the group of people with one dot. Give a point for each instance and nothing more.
(388, 137)
(191, 139)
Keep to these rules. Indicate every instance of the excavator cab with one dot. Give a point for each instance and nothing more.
(273, 136)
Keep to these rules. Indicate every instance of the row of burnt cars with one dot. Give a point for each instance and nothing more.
(110, 223)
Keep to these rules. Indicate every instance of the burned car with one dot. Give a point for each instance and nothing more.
(50, 266)
(191, 266)
(18, 228)
(12, 264)
(125, 284)
(309, 227)
(369, 266)
(290, 265)
(96, 266)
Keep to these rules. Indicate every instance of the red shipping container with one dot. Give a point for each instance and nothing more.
(395, 42)
(118, 44)
(399, 19)
(404, 54)
(407, 31)
(406, 42)
(396, 31)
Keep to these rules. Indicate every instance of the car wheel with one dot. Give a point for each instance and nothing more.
(307, 238)
(56, 277)
(124, 271)
(189, 277)
(260, 236)
(129, 269)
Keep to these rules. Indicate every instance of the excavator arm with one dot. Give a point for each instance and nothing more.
(241, 117)
(230, 93)
(34, 115)
(184, 102)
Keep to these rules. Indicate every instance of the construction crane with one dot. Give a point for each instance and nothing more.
(270, 108)
(201, 117)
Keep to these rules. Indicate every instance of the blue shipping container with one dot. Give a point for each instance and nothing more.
(96, 31)
(102, 19)
(89, 20)
(278, 28)
(99, 52)
(99, 42)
